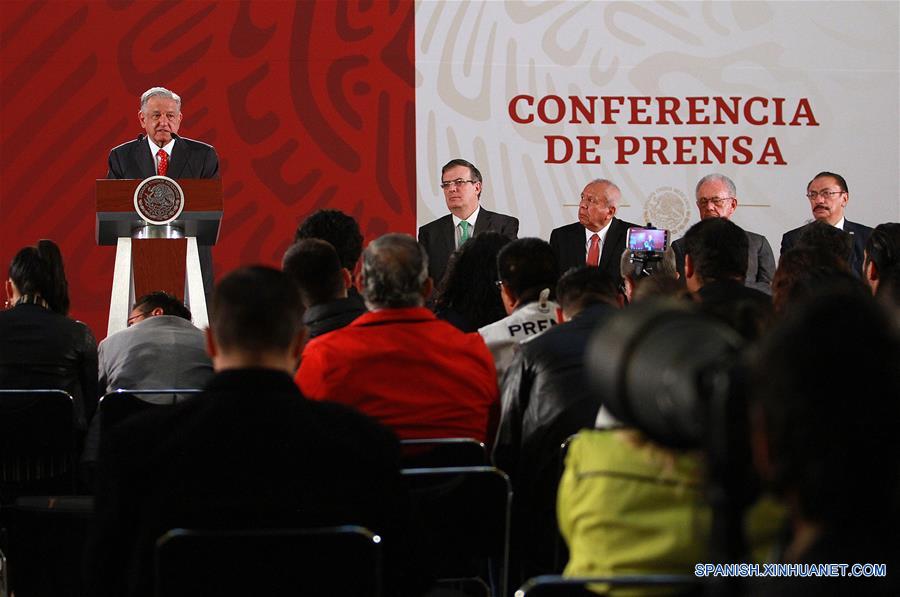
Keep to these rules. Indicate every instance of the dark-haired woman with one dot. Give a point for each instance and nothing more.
(467, 295)
(40, 347)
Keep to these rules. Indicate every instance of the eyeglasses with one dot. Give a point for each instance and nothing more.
(136, 318)
(446, 184)
(824, 194)
(717, 201)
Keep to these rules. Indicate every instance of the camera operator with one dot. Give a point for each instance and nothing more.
(644, 279)
(715, 265)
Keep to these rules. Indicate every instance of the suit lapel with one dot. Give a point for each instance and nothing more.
(614, 240)
(447, 237)
(179, 159)
(483, 223)
(143, 160)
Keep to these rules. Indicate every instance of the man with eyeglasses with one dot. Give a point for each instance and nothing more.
(461, 182)
(828, 195)
(717, 198)
(597, 239)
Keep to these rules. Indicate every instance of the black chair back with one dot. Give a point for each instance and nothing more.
(651, 584)
(324, 562)
(442, 452)
(117, 406)
(464, 515)
(37, 443)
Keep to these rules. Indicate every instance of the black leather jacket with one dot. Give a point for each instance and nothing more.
(545, 399)
(40, 349)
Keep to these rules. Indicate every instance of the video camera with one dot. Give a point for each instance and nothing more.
(647, 246)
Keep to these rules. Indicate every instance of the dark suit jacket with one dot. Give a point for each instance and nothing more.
(859, 232)
(439, 237)
(190, 159)
(568, 243)
(760, 261)
(250, 451)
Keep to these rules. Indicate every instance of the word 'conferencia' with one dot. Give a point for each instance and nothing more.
(663, 111)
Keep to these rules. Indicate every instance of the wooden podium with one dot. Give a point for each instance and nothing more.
(149, 257)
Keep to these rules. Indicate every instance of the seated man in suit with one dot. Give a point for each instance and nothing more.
(250, 452)
(461, 182)
(399, 363)
(717, 198)
(162, 152)
(828, 196)
(315, 267)
(598, 237)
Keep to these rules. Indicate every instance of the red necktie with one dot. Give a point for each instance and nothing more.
(593, 255)
(163, 162)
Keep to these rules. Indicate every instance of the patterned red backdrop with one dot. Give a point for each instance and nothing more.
(309, 105)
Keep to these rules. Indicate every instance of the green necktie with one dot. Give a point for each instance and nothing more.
(463, 232)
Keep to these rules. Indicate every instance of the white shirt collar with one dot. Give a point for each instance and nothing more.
(601, 233)
(840, 224)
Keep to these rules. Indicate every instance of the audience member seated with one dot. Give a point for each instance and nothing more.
(324, 286)
(248, 452)
(826, 238)
(629, 506)
(398, 363)
(715, 263)
(882, 253)
(666, 280)
(342, 231)
(527, 270)
(803, 271)
(160, 348)
(467, 296)
(545, 399)
(827, 440)
(40, 347)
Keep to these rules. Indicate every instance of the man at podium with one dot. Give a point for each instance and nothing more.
(162, 152)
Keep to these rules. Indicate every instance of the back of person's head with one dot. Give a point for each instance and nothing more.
(655, 287)
(337, 228)
(801, 272)
(889, 288)
(526, 267)
(169, 304)
(314, 265)
(825, 238)
(395, 272)
(830, 431)
(583, 287)
(883, 246)
(718, 249)
(256, 309)
(38, 271)
(468, 286)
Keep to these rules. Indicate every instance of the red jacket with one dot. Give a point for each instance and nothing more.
(413, 372)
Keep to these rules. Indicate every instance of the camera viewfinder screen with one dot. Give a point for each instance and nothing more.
(647, 239)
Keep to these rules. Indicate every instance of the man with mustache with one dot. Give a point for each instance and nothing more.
(828, 195)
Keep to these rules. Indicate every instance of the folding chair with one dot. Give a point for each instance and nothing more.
(37, 443)
(558, 586)
(117, 406)
(323, 562)
(46, 543)
(464, 515)
(442, 452)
